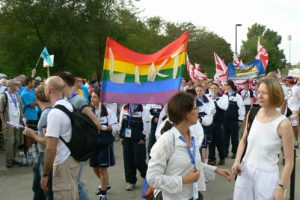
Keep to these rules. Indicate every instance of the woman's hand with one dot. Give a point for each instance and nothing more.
(236, 168)
(191, 177)
(278, 194)
(225, 172)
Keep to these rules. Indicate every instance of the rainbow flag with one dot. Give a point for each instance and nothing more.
(132, 77)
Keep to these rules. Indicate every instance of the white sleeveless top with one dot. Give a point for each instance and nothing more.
(264, 145)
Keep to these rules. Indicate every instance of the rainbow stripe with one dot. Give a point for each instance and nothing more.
(131, 77)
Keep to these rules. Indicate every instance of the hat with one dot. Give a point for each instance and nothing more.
(38, 78)
(11, 82)
(290, 79)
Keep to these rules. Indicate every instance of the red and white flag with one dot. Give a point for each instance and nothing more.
(236, 61)
(221, 69)
(194, 71)
(262, 54)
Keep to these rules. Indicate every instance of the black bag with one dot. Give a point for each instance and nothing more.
(83, 142)
(105, 139)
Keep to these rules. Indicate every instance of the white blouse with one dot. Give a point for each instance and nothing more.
(170, 161)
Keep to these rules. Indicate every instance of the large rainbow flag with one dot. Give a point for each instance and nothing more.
(131, 77)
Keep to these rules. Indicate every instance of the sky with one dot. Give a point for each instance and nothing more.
(220, 16)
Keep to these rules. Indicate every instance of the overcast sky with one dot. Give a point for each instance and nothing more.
(220, 16)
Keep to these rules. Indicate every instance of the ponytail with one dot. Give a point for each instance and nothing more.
(168, 125)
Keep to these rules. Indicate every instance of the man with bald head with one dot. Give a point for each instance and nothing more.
(57, 155)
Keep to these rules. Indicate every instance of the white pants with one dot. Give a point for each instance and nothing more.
(255, 184)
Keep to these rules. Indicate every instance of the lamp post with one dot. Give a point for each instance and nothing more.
(236, 25)
(290, 39)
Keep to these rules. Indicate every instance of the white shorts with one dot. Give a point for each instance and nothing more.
(255, 184)
(294, 119)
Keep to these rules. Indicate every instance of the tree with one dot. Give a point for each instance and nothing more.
(270, 40)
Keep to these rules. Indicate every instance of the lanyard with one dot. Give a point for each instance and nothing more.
(191, 154)
(72, 96)
(57, 101)
(14, 99)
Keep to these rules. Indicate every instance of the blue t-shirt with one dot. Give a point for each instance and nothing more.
(21, 90)
(85, 93)
(28, 97)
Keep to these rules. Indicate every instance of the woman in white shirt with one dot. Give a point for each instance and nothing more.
(270, 131)
(175, 166)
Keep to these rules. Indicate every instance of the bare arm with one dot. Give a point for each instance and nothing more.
(92, 116)
(50, 153)
(31, 133)
(285, 131)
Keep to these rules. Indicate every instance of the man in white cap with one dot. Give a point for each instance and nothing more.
(11, 115)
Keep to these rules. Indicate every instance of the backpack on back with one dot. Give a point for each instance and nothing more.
(83, 142)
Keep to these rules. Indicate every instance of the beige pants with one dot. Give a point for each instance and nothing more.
(65, 177)
(11, 142)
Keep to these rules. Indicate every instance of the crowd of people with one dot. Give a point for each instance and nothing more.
(179, 138)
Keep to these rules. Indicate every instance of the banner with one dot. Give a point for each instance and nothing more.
(132, 77)
(254, 69)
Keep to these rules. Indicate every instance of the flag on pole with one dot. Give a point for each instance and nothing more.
(194, 70)
(236, 61)
(221, 69)
(262, 54)
(45, 55)
(46, 64)
(132, 77)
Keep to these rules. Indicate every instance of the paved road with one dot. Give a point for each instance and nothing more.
(16, 183)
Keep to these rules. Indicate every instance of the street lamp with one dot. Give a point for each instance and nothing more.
(290, 39)
(236, 25)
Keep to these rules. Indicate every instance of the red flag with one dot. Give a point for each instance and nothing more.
(262, 54)
(194, 71)
(221, 69)
(236, 61)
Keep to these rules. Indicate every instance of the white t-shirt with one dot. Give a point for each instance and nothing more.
(13, 109)
(293, 97)
(59, 124)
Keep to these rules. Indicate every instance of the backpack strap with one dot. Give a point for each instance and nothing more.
(252, 113)
(67, 112)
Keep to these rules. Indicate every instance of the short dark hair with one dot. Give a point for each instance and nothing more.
(68, 78)
(28, 80)
(231, 84)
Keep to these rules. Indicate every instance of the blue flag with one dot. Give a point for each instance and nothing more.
(45, 55)
(254, 69)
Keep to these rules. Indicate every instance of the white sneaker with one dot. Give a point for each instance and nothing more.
(130, 187)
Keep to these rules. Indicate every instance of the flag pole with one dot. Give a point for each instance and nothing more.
(37, 62)
(48, 71)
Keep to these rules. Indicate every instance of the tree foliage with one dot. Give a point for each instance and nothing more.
(270, 40)
(75, 31)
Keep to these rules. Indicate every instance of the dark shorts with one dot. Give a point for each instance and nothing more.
(207, 136)
(103, 157)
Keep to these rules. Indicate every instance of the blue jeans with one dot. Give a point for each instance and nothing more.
(39, 194)
(83, 195)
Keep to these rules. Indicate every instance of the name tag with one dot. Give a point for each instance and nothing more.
(127, 132)
(16, 113)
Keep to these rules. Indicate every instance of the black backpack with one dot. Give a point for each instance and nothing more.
(83, 142)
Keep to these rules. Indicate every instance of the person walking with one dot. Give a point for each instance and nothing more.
(258, 173)
(58, 157)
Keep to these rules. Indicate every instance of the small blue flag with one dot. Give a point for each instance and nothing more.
(45, 55)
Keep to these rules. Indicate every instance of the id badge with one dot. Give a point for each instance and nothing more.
(195, 191)
(127, 132)
(16, 113)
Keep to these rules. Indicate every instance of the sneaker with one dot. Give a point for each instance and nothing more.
(99, 188)
(211, 162)
(222, 161)
(130, 187)
(102, 197)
